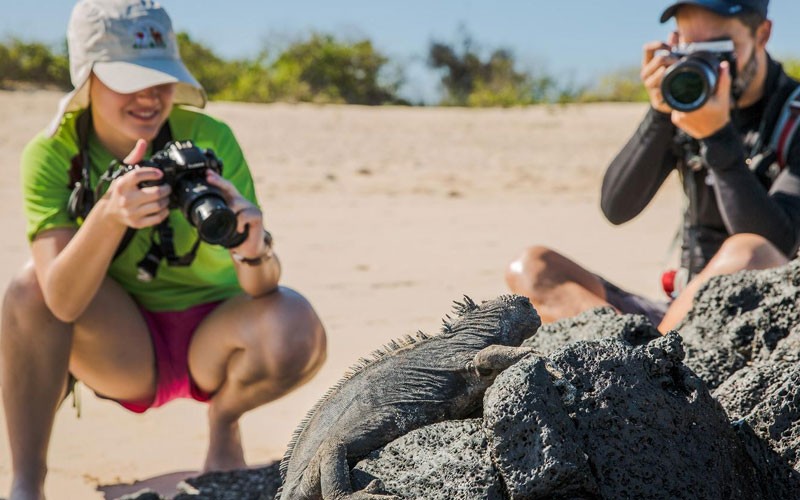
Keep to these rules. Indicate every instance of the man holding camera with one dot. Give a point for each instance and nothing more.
(724, 114)
(122, 292)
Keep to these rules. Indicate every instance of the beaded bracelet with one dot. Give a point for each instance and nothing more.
(255, 261)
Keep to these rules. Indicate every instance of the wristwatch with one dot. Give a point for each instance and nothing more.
(255, 261)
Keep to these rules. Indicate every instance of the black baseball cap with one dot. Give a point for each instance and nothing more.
(722, 7)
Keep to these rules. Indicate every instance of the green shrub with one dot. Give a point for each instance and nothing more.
(214, 74)
(317, 69)
(469, 81)
(792, 67)
(253, 83)
(620, 86)
(34, 63)
(323, 69)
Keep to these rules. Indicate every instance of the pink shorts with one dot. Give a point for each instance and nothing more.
(171, 333)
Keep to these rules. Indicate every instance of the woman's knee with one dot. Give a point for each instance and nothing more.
(29, 330)
(745, 252)
(24, 300)
(294, 341)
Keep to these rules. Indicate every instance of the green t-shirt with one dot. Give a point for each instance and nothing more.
(210, 277)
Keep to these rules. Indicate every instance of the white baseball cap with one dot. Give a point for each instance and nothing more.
(130, 46)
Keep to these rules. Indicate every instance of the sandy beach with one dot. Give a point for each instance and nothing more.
(382, 217)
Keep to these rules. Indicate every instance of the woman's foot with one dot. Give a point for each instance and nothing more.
(23, 492)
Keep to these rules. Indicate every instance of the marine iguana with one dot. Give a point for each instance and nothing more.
(412, 382)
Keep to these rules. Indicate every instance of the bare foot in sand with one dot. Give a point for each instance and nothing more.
(224, 448)
(20, 492)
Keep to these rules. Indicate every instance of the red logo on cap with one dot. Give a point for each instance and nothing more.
(148, 37)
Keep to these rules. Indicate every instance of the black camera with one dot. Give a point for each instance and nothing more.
(689, 83)
(184, 166)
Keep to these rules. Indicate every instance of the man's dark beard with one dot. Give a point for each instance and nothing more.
(745, 76)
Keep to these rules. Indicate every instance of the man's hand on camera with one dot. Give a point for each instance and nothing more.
(132, 206)
(655, 62)
(714, 114)
(248, 216)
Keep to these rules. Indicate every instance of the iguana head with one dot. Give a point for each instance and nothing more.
(509, 319)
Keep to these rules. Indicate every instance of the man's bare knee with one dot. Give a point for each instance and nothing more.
(538, 267)
(745, 252)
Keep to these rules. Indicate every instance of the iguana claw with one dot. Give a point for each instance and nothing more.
(496, 358)
(335, 477)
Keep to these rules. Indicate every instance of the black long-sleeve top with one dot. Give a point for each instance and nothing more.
(730, 198)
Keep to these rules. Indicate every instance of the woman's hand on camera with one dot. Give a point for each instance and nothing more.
(714, 114)
(655, 61)
(248, 215)
(136, 207)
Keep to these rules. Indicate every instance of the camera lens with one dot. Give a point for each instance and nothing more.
(205, 207)
(688, 84)
(687, 87)
(215, 222)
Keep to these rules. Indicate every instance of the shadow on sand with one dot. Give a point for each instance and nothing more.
(165, 485)
(256, 482)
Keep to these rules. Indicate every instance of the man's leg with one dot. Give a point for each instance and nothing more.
(108, 348)
(248, 352)
(558, 287)
(738, 253)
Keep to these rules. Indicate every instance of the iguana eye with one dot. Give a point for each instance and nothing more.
(477, 370)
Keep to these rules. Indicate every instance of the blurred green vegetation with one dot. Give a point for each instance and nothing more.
(318, 68)
(792, 67)
(469, 81)
(33, 63)
(618, 86)
(214, 73)
(321, 68)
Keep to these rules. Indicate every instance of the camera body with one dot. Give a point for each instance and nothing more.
(184, 166)
(689, 83)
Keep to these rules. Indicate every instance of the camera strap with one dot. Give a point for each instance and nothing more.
(778, 129)
(692, 162)
(786, 129)
(164, 248)
(82, 197)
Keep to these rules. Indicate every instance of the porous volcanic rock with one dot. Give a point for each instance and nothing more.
(251, 484)
(144, 494)
(777, 417)
(594, 324)
(739, 319)
(642, 423)
(533, 442)
(443, 461)
(765, 397)
(748, 387)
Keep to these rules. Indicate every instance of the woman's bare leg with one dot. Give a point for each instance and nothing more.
(112, 351)
(36, 351)
(248, 352)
